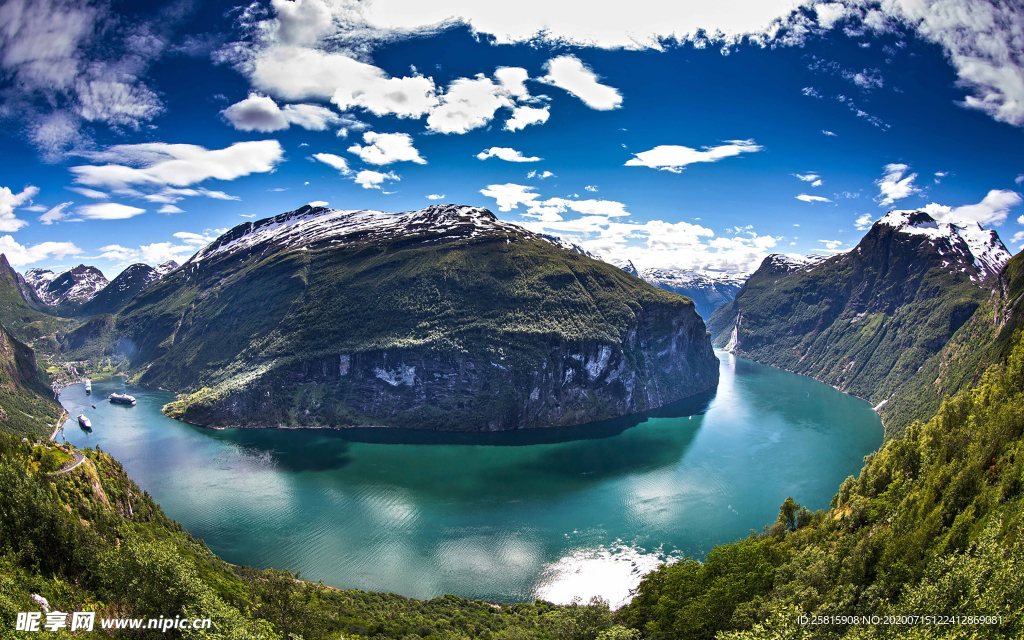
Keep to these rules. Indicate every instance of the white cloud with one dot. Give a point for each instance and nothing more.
(319, 203)
(831, 245)
(160, 164)
(507, 154)
(170, 208)
(813, 178)
(184, 245)
(992, 210)
(807, 198)
(590, 187)
(509, 196)
(9, 201)
(387, 148)
(828, 133)
(90, 193)
(895, 185)
(864, 222)
(108, 211)
(939, 175)
(569, 73)
(374, 179)
(260, 113)
(603, 25)
(524, 116)
(298, 73)
(1018, 238)
(675, 157)
(436, 196)
(56, 214)
(334, 161)
(513, 81)
(541, 175)
(468, 104)
(20, 255)
(1019, 179)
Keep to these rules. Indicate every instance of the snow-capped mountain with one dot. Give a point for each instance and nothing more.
(707, 289)
(979, 246)
(125, 286)
(73, 287)
(310, 226)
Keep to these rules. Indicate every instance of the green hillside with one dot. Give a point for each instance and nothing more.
(872, 322)
(27, 405)
(23, 319)
(441, 319)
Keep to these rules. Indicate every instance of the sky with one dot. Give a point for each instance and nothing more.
(673, 134)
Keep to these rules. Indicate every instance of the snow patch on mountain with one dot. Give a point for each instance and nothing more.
(982, 247)
(74, 286)
(305, 227)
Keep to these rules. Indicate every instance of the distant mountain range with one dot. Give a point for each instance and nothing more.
(444, 318)
(708, 290)
(871, 321)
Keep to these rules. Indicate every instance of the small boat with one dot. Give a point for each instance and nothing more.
(88, 385)
(93, 406)
(122, 398)
(84, 422)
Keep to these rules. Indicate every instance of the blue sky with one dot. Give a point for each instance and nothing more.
(133, 133)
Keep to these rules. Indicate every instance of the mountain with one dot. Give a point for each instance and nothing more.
(27, 405)
(708, 290)
(868, 320)
(67, 290)
(113, 297)
(445, 318)
(23, 314)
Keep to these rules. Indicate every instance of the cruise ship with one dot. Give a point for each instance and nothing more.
(88, 385)
(122, 398)
(84, 422)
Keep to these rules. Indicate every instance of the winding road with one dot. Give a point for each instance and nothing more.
(79, 459)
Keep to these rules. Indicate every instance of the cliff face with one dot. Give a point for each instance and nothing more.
(27, 406)
(445, 318)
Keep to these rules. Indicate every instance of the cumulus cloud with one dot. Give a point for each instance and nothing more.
(374, 179)
(808, 198)
(895, 184)
(183, 247)
(524, 116)
(436, 196)
(992, 210)
(261, 113)
(864, 222)
(334, 161)
(387, 148)
(541, 175)
(20, 255)
(507, 154)
(674, 158)
(55, 214)
(468, 104)
(603, 227)
(569, 73)
(109, 211)
(160, 164)
(9, 201)
(319, 203)
(297, 73)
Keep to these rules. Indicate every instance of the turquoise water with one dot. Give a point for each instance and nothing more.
(508, 517)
